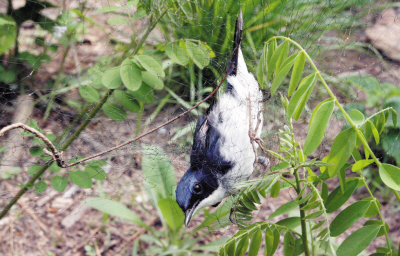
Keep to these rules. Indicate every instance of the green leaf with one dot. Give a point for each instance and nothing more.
(96, 173)
(303, 102)
(89, 93)
(348, 217)
(177, 54)
(54, 167)
(152, 80)
(262, 66)
(358, 241)
(336, 198)
(8, 33)
(372, 209)
(171, 213)
(40, 187)
(369, 126)
(144, 94)
(212, 246)
(361, 164)
(198, 53)
(288, 244)
(230, 247)
(274, 59)
(382, 230)
(59, 183)
(297, 72)
(291, 222)
(150, 64)
(357, 117)
(275, 189)
(36, 151)
(127, 101)
(271, 241)
(255, 243)
(114, 111)
(158, 173)
(289, 206)
(305, 85)
(81, 179)
(394, 117)
(113, 208)
(131, 75)
(242, 246)
(117, 21)
(390, 175)
(313, 215)
(112, 78)
(108, 8)
(341, 150)
(282, 57)
(318, 124)
(32, 170)
(282, 73)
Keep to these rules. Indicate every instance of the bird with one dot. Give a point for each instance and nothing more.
(224, 144)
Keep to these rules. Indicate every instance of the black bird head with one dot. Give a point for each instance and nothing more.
(194, 187)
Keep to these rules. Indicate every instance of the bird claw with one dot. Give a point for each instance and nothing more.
(231, 216)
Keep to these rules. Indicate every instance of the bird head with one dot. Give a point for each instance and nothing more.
(197, 189)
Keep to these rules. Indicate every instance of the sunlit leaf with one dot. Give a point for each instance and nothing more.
(282, 72)
(131, 75)
(285, 208)
(390, 175)
(341, 150)
(177, 54)
(172, 213)
(112, 78)
(81, 179)
(296, 73)
(150, 64)
(198, 53)
(317, 126)
(255, 243)
(89, 93)
(357, 117)
(361, 164)
(113, 208)
(152, 80)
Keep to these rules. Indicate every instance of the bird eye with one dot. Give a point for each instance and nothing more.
(197, 188)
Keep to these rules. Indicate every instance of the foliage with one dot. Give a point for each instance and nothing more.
(160, 184)
(314, 201)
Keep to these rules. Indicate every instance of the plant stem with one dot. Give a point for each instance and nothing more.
(24, 189)
(302, 215)
(346, 116)
(56, 84)
(377, 207)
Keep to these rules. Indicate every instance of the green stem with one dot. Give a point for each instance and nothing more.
(377, 207)
(346, 116)
(56, 85)
(302, 215)
(24, 189)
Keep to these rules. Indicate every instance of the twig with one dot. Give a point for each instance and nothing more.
(88, 239)
(142, 230)
(24, 205)
(57, 156)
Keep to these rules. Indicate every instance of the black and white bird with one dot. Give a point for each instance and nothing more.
(224, 151)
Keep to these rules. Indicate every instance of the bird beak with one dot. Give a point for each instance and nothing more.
(189, 213)
(237, 39)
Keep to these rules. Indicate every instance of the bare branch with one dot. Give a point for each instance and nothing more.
(57, 156)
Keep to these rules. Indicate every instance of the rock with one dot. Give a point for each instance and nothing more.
(385, 34)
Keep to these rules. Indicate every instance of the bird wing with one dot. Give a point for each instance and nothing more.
(206, 152)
